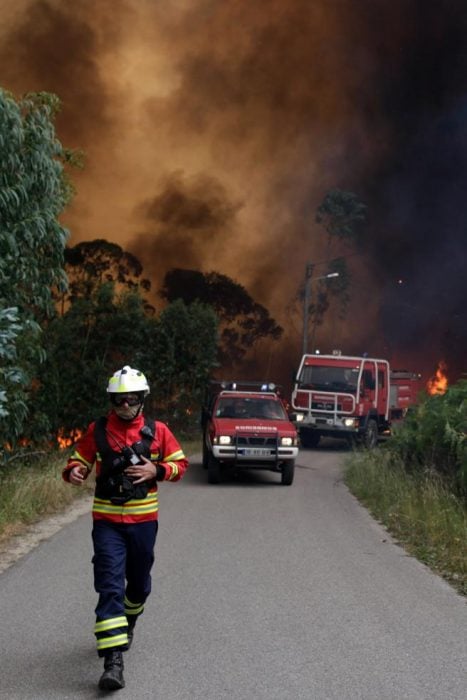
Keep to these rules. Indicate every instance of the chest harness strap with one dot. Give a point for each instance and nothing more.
(112, 483)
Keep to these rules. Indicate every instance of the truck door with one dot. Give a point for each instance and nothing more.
(369, 386)
(383, 389)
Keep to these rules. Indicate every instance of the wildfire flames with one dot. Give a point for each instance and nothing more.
(65, 441)
(439, 382)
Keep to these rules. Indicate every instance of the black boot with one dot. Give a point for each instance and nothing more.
(112, 678)
(131, 630)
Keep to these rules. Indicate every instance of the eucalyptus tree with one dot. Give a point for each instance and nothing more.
(181, 358)
(89, 264)
(342, 216)
(242, 320)
(84, 346)
(33, 192)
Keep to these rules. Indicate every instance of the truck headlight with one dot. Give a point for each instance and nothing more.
(225, 440)
(299, 417)
(288, 441)
(349, 422)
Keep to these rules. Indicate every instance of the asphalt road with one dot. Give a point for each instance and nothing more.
(260, 592)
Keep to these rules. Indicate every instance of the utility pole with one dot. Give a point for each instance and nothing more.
(306, 300)
(306, 305)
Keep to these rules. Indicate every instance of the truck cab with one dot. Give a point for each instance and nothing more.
(341, 396)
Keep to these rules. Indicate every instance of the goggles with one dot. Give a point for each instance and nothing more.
(129, 399)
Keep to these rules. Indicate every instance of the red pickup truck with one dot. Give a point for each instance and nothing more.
(245, 426)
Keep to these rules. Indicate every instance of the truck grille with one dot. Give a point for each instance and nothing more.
(325, 406)
(256, 441)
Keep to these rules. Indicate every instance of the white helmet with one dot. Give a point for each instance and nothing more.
(127, 380)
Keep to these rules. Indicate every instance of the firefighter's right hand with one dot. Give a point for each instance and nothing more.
(78, 475)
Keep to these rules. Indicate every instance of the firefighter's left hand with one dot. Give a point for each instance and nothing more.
(142, 472)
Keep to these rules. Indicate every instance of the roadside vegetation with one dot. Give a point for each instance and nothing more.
(416, 484)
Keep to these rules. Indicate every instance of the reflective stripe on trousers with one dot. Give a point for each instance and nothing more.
(123, 557)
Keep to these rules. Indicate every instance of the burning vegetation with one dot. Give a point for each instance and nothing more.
(439, 382)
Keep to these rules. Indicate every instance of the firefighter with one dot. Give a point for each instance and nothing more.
(131, 455)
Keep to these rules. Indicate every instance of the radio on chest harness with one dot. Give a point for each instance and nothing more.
(112, 483)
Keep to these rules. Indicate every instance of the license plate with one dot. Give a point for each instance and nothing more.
(256, 452)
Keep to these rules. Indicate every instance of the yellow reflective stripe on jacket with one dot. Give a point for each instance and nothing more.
(133, 507)
(76, 455)
(110, 624)
(175, 455)
(174, 470)
(116, 641)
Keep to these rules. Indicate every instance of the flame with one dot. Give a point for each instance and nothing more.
(439, 382)
(68, 439)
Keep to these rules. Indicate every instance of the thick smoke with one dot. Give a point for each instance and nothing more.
(213, 130)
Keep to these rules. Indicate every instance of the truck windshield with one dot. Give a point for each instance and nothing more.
(268, 409)
(329, 378)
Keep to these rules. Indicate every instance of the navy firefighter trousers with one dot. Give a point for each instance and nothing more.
(123, 558)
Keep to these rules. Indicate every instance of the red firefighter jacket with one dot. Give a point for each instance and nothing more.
(165, 450)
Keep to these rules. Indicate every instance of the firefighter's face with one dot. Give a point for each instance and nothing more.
(127, 406)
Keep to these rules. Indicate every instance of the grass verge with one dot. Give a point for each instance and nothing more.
(31, 491)
(418, 510)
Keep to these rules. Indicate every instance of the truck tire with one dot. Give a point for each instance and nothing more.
(288, 469)
(214, 470)
(309, 438)
(370, 437)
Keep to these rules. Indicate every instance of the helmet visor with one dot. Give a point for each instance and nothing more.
(131, 399)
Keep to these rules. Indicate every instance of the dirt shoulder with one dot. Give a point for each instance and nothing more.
(27, 537)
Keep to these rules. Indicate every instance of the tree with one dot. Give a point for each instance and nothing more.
(90, 263)
(342, 215)
(99, 334)
(184, 351)
(242, 321)
(93, 338)
(33, 192)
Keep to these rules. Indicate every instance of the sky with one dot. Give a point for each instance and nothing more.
(213, 130)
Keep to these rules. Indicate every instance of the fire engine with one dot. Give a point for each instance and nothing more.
(245, 426)
(357, 398)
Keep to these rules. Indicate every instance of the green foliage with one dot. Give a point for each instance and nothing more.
(33, 192)
(341, 213)
(84, 347)
(417, 508)
(182, 357)
(12, 377)
(91, 263)
(100, 334)
(243, 322)
(433, 437)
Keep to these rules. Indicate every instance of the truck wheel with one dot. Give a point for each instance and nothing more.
(288, 469)
(214, 470)
(309, 438)
(370, 438)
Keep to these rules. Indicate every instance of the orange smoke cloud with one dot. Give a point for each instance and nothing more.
(212, 130)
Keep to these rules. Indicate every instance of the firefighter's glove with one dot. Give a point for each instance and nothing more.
(142, 472)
